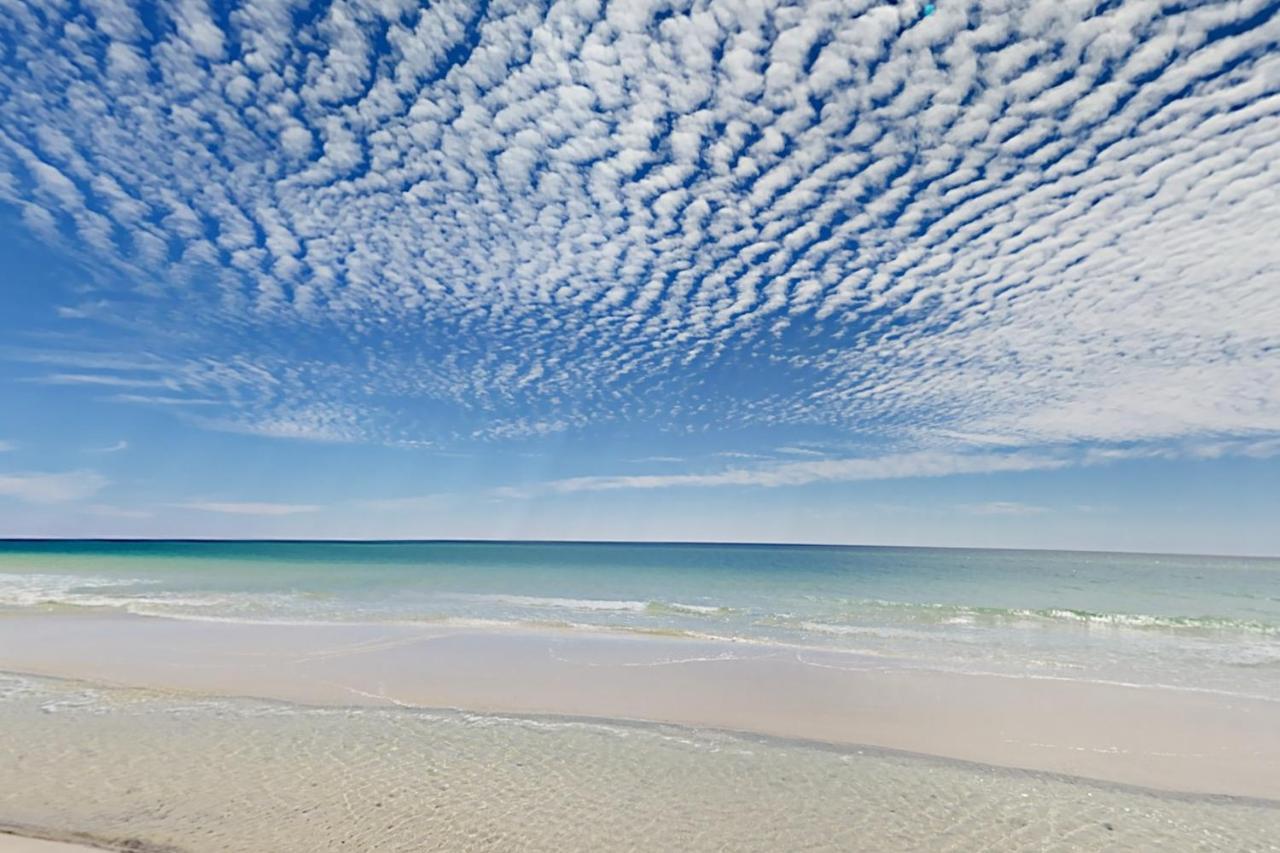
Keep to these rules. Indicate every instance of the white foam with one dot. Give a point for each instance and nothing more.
(34, 590)
(541, 602)
(700, 609)
(45, 590)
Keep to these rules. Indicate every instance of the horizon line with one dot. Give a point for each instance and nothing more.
(634, 542)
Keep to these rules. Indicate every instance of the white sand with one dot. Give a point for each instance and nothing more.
(1159, 738)
(10, 843)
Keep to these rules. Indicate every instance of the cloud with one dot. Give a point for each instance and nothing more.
(111, 448)
(892, 466)
(888, 467)
(307, 426)
(1201, 449)
(792, 450)
(1001, 508)
(249, 507)
(7, 445)
(102, 379)
(153, 400)
(108, 511)
(417, 503)
(997, 226)
(42, 488)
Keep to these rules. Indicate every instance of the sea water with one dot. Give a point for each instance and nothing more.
(1181, 622)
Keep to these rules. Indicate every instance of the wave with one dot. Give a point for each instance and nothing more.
(834, 617)
(131, 595)
(544, 602)
(35, 590)
(959, 615)
(691, 609)
(878, 632)
(599, 605)
(1143, 620)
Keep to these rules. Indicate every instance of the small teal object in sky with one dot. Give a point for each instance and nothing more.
(928, 9)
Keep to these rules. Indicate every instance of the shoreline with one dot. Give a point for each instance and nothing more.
(30, 839)
(644, 725)
(1197, 744)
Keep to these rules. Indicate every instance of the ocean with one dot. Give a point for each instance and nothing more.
(1197, 623)
(144, 759)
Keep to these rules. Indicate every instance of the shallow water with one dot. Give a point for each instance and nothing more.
(214, 775)
(1209, 623)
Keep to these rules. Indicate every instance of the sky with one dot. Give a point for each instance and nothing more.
(1002, 274)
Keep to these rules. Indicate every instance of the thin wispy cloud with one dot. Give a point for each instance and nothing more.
(792, 450)
(260, 508)
(49, 488)
(119, 512)
(111, 448)
(1002, 508)
(413, 503)
(108, 380)
(155, 400)
(907, 465)
(888, 467)
(330, 425)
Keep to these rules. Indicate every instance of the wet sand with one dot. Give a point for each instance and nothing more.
(1173, 740)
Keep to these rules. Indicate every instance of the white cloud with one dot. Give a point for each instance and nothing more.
(888, 467)
(52, 487)
(322, 423)
(417, 503)
(1002, 508)
(249, 507)
(103, 379)
(891, 466)
(7, 445)
(156, 400)
(792, 450)
(111, 448)
(296, 140)
(1005, 225)
(108, 511)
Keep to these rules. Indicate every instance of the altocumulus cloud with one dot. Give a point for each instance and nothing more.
(1052, 221)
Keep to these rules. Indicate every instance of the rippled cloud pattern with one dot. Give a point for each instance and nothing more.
(1004, 224)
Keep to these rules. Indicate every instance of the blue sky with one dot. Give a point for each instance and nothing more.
(1005, 274)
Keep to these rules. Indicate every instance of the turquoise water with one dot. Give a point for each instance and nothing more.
(1182, 622)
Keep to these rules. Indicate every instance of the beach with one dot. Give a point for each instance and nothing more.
(714, 426)
(215, 729)
(14, 843)
(175, 771)
(1167, 739)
